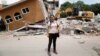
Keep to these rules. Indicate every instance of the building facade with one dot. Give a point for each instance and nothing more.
(18, 14)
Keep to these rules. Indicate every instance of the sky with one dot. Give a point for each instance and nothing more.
(62, 1)
(85, 1)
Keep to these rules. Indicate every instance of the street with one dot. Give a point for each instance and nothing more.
(37, 45)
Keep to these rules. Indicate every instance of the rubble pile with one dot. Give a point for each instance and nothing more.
(82, 27)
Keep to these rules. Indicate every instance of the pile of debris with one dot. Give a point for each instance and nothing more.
(83, 27)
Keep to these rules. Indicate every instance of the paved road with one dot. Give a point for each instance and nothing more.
(37, 46)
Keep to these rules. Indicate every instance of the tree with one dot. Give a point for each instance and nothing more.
(86, 7)
(79, 4)
(65, 6)
(96, 8)
(82, 6)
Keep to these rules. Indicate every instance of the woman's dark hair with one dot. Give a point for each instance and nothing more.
(56, 18)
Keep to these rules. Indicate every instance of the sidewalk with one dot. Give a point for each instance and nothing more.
(37, 46)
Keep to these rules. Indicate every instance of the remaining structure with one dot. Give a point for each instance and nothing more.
(52, 6)
(20, 13)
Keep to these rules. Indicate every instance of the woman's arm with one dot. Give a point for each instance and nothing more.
(48, 28)
(59, 27)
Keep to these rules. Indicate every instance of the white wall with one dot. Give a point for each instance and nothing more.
(3, 2)
(7, 2)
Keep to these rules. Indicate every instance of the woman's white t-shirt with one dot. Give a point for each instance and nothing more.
(53, 27)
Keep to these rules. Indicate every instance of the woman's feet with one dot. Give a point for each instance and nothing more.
(55, 52)
(49, 54)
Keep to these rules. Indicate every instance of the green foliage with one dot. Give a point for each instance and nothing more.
(86, 8)
(82, 6)
(66, 5)
(96, 8)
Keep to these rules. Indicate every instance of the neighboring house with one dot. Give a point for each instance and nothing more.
(52, 6)
(18, 14)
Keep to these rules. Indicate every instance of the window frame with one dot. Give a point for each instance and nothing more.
(9, 19)
(25, 10)
(18, 16)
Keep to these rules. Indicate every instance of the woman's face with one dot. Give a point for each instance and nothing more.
(52, 18)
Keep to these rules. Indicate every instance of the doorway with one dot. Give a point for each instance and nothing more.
(2, 25)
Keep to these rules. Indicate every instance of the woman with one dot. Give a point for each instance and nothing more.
(53, 33)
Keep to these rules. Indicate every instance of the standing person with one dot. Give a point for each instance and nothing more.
(53, 33)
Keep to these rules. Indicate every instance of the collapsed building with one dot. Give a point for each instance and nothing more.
(25, 11)
(16, 15)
